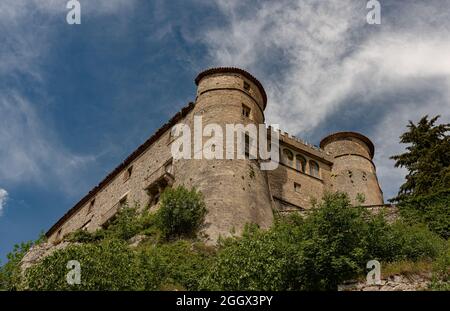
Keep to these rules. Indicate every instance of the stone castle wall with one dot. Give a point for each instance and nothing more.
(236, 192)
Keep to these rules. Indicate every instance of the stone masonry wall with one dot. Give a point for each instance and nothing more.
(236, 192)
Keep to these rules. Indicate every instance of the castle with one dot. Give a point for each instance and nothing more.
(236, 192)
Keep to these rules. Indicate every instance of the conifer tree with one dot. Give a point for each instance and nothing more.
(427, 159)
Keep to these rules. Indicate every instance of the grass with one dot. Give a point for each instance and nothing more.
(406, 268)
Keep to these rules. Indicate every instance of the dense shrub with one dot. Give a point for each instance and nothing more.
(107, 265)
(318, 252)
(10, 273)
(181, 212)
(334, 247)
(416, 242)
(441, 277)
(258, 261)
(330, 246)
(175, 265)
(433, 210)
(112, 265)
(10, 277)
(401, 241)
(127, 223)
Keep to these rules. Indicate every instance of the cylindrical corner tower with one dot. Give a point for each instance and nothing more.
(236, 191)
(353, 171)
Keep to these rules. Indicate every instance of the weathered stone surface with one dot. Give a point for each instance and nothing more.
(413, 282)
(136, 240)
(236, 192)
(39, 252)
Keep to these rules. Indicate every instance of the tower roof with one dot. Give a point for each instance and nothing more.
(246, 74)
(339, 135)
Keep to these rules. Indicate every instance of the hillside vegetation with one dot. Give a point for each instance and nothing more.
(330, 246)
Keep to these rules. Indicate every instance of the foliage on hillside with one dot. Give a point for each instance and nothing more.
(317, 253)
(10, 273)
(333, 244)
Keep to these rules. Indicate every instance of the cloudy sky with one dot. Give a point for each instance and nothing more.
(75, 100)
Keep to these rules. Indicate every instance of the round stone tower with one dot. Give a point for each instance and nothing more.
(353, 171)
(236, 191)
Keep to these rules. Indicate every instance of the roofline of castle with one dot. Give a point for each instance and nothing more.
(140, 150)
(360, 136)
(246, 74)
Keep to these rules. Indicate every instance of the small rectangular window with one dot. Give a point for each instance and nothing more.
(168, 167)
(246, 86)
(123, 202)
(85, 227)
(128, 173)
(246, 111)
(91, 206)
(247, 144)
(297, 187)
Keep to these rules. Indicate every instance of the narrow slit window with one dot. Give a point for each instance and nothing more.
(128, 173)
(246, 111)
(91, 206)
(123, 202)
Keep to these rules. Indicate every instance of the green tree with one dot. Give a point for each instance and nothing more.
(181, 213)
(427, 159)
(425, 196)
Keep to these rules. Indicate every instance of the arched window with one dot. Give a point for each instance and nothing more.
(314, 169)
(288, 157)
(300, 163)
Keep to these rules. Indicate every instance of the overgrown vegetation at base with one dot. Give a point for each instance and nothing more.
(319, 252)
(433, 210)
(10, 273)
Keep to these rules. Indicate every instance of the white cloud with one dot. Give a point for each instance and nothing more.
(31, 150)
(3, 197)
(329, 55)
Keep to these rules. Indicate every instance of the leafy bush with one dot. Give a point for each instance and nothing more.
(415, 242)
(181, 213)
(10, 277)
(10, 273)
(401, 241)
(127, 223)
(316, 253)
(257, 261)
(333, 248)
(441, 271)
(331, 245)
(107, 265)
(176, 265)
(112, 265)
(433, 210)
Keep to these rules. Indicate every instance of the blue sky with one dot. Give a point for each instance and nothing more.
(76, 100)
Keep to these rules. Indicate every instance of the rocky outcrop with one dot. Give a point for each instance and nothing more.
(412, 282)
(39, 252)
(136, 240)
